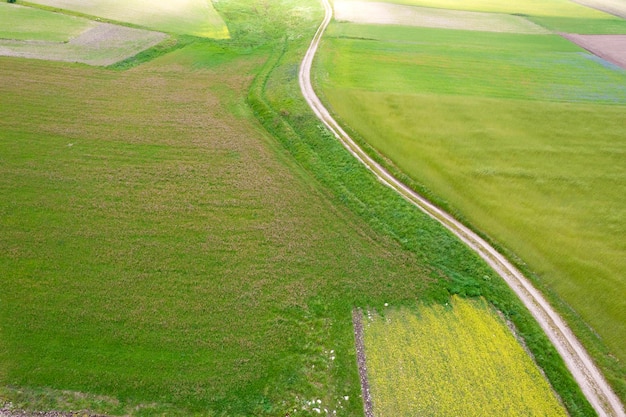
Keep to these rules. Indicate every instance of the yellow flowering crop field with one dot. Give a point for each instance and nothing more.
(458, 359)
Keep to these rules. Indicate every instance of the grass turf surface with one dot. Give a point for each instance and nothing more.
(185, 17)
(459, 359)
(518, 134)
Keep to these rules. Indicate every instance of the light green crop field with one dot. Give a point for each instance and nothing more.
(26, 23)
(190, 17)
(423, 60)
(521, 135)
(454, 360)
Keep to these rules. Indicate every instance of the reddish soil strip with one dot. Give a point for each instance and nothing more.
(357, 320)
(611, 48)
(6, 412)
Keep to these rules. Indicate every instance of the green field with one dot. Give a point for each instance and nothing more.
(455, 360)
(25, 23)
(185, 17)
(422, 60)
(519, 135)
(180, 236)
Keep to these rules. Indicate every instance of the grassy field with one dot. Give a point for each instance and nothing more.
(518, 135)
(185, 17)
(459, 359)
(423, 60)
(163, 254)
(25, 23)
(158, 252)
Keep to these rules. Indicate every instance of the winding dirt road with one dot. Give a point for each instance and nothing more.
(591, 381)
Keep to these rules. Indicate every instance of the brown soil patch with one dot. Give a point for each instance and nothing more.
(611, 48)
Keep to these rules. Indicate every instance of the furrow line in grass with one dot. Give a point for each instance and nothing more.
(578, 361)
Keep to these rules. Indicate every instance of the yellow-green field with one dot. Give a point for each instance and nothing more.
(454, 360)
(186, 17)
(27, 23)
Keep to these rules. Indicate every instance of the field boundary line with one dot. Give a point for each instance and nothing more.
(359, 343)
(578, 361)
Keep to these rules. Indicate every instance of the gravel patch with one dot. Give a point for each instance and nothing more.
(357, 320)
(6, 412)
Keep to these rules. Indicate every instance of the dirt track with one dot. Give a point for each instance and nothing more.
(578, 361)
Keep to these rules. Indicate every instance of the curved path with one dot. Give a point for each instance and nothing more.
(591, 381)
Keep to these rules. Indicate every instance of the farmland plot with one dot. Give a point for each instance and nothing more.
(387, 13)
(191, 17)
(551, 15)
(454, 360)
(102, 44)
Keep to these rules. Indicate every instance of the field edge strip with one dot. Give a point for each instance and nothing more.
(595, 388)
(359, 344)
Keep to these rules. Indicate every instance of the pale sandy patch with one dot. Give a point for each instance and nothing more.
(395, 14)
